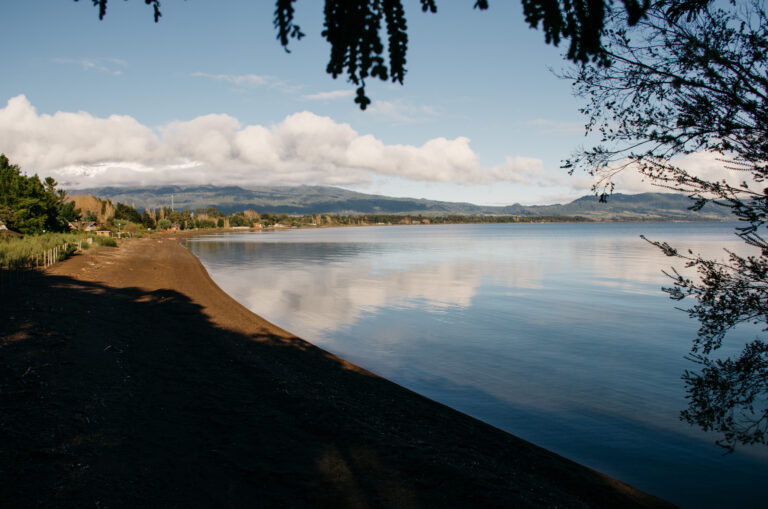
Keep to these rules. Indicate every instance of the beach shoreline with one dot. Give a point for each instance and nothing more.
(128, 377)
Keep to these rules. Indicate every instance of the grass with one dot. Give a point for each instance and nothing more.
(105, 241)
(26, 252)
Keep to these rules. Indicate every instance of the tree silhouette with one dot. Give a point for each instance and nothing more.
(681, 83)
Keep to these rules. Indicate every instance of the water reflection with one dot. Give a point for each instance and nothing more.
(557, 333)
(334, 284)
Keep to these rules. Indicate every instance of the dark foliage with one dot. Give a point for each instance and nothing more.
(147, 221)
(102, 5)
(681, 83)
(128, 213)
(239, 220)
(28, 205)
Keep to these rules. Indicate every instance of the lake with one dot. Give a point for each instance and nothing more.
(556, 333)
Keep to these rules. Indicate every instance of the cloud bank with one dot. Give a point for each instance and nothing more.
(705, 165)
(326, 96)
(81, 150)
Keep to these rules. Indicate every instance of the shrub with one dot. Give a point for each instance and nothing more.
(106, 241)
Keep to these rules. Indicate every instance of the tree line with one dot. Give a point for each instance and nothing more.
(31, 206)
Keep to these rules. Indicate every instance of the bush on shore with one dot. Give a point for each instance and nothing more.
(19, 253)
(105, 241)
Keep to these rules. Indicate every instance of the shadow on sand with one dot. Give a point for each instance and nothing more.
(125, 398)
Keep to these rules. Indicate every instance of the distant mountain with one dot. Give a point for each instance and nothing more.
(302, 200)
(645, 206)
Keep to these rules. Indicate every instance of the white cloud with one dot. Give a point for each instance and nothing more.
(47, 142)
(240, 80)
(326, 96)
(112, 66)
(549, 126)
(81, 150)
(402, 112)
(250, 81)
(706, 165)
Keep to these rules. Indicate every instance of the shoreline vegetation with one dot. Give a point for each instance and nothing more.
(127, 377)
(41, 224)
(18, 252)
(91, 219)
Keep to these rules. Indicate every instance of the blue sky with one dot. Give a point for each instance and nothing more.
(207, 95)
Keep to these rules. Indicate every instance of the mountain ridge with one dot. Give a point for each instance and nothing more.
(306, 200)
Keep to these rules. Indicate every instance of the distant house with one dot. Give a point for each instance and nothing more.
(5, 232)
(103, 232)
(175, 227)
(83, 226)
(257, 225)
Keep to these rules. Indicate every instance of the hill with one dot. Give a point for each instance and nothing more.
(304, 200)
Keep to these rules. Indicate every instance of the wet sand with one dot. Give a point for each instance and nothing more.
(129, 379)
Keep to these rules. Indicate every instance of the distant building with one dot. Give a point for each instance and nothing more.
(83, 226)
(5, 232)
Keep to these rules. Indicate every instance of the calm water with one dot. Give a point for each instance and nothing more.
(557, 333)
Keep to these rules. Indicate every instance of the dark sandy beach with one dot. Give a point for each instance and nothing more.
(129, 379)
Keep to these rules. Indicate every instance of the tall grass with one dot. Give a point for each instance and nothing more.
(105, 241)
(16, 253)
